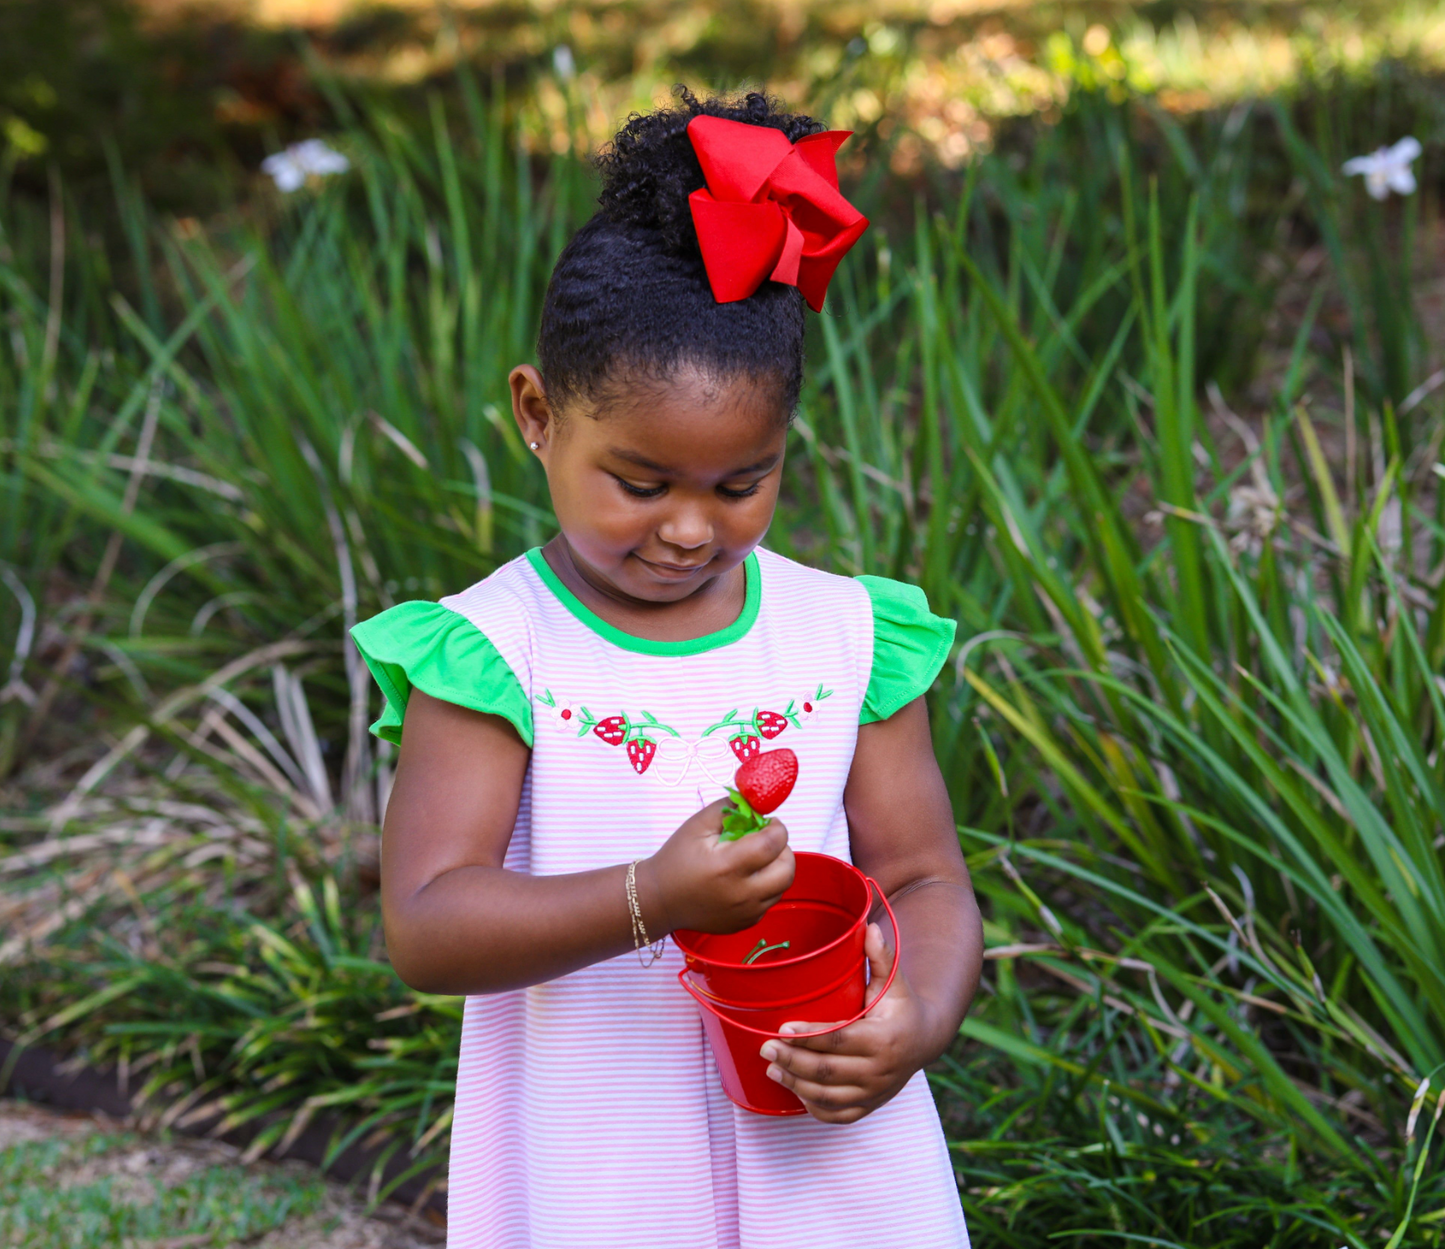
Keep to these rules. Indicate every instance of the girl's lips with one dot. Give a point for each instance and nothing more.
(673, 570)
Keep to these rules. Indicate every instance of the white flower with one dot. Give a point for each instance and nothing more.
(564, 64)
(290, 168)
(565, 717)
(1387, 169)
(807, 709)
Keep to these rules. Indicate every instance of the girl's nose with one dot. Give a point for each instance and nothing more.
(686, 528)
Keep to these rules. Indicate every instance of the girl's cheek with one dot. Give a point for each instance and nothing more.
(596, 508)
(753, 519)
(603, 534)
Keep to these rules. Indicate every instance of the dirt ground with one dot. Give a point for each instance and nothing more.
(339, 1221)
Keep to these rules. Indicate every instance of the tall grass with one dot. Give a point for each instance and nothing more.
(1192, 729)
(1224, 746)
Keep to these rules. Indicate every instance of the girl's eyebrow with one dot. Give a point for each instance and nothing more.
(632, 457)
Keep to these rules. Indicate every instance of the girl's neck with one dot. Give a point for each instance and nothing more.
(713, 606)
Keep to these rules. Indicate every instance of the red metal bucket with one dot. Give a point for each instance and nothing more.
(803, 960)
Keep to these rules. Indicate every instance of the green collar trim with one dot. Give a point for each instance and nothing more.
(752, 599)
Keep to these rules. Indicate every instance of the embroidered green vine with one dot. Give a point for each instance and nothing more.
(649, 721)
(614, 730)
(762, 723)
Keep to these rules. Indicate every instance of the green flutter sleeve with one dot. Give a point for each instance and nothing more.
(428, 647)
(910, 645)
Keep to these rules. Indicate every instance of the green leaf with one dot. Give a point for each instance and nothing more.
(740, 819)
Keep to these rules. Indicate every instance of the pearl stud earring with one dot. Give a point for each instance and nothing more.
(534, 445)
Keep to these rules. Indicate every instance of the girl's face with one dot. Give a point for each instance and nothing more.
(665, 487)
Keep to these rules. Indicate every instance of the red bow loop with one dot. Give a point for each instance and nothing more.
(771, 209)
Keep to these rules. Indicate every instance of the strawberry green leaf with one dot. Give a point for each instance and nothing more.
(740, 819)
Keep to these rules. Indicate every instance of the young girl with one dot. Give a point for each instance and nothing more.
(562, 720)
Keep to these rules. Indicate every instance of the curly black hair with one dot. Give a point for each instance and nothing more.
(629, 296)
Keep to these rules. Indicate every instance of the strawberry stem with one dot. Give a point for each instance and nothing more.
(740, 819)
(763, 947)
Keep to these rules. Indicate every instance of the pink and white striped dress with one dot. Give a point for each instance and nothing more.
(589, 1113)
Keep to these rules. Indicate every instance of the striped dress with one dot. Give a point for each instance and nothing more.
(589, 1112)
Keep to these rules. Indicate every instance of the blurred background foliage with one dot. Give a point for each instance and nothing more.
(1126, 374)
(179, 92)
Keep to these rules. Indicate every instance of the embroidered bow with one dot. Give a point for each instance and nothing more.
(676, 758)
(771, 209)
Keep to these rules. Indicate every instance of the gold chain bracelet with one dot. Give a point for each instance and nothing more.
(639, 929)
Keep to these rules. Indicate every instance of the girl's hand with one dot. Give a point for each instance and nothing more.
(701, 882)
(842, 1076)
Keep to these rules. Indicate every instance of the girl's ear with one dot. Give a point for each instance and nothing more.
(530, 408)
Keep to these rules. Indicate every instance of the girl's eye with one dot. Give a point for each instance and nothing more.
(739, 494)
(641, 492)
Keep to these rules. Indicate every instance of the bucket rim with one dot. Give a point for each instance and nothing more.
(690, 955)
(801, 999)
(726, 1021)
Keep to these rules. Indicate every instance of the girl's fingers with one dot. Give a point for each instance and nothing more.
(825, 1097)
(854, 1040)
(709, 819)
(834, 1070)
(776, 876)
(757, 849)
(880, 962)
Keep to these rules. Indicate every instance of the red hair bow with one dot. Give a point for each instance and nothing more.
(771, 209)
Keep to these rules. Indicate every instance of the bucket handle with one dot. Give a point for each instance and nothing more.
(702, 1000)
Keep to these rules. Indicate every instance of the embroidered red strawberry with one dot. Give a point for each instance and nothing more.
(770, 724)
(767, 779)
(746, 746)
(612, 730)
(639, 753)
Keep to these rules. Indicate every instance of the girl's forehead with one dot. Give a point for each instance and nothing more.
(690, 423)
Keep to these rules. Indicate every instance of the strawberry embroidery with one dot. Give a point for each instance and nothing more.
(640, 747)
(745, 745)
(639, 736)
(746, 734)
(612, 730)
(771, 723)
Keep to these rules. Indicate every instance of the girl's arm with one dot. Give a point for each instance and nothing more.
(457, 922)
(902, 833)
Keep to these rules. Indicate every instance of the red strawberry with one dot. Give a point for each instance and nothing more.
(612, 730)
(745, 746)
(770, 724)
(767, 779)
(639, 753)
